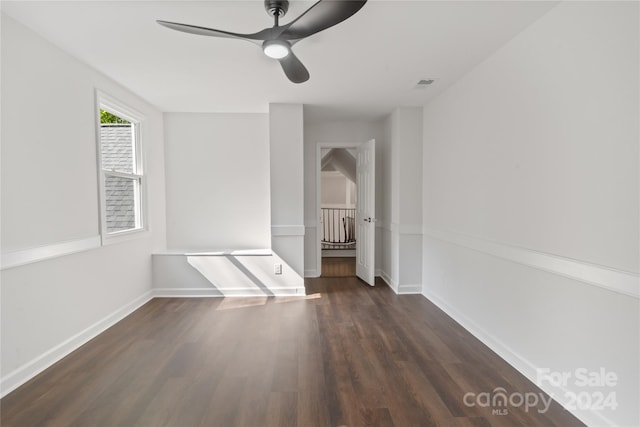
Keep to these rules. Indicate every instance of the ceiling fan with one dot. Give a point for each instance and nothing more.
(277, 41)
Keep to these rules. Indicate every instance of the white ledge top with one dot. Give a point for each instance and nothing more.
(222, 252)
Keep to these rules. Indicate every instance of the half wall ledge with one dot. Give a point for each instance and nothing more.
(223, 273)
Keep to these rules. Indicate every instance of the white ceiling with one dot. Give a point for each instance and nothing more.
(362, 67)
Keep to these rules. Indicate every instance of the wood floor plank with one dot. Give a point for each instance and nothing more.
(346, 355)
(338, 266)
(424, 394)
(312, 410)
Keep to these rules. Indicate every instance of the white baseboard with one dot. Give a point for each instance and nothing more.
(389, 281)
(409, 289)
(222, 292)
(522, 365)
(399, 289)
(30, 369)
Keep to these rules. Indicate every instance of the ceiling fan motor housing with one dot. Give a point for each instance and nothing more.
(276, 7)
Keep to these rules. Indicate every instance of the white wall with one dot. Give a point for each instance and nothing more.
(353, 132)
(402, 226)
(229, 187)
(50, 195)
(335, 190)
(217, 174)
(387, 246)
(232, 181)
(534, 156)
(286, 123)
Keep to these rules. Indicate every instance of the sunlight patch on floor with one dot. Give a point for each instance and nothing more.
(292, 298)
(234, 303)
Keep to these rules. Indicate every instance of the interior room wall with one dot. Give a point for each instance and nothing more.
(335, 189)
(50, 201)
(217, 174)
(338, 132)
(286, 136)
(531, 197)
(402, 228)
(225, 198)
(383, 226)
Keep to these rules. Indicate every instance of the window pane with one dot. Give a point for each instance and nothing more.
(117, 143)
(121, 203)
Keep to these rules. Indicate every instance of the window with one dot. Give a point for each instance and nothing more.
(122, 179)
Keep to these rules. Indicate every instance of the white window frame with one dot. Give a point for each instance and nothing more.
(114, 106)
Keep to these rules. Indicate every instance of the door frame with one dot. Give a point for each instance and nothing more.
(319, 147)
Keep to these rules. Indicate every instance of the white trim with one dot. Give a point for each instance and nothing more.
(287, 230)
(114, 106)
(310, 223)
(318, 167)
(383, 224)
(338, 205)
(623, 282)
(409, 289)
(399, 289)
(522, 365)
(224, 292)
(118, 108)
(131, 176)
(30, 369)
(223, 252)
(410, 229)
(389, 281)
(125, 236)
(40, 253)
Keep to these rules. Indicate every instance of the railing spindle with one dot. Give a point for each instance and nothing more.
(338, 228)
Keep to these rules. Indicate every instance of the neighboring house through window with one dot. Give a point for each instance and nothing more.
(121, 169)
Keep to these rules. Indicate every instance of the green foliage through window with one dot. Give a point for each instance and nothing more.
(107, 117)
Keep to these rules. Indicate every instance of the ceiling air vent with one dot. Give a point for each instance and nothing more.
(424, 83)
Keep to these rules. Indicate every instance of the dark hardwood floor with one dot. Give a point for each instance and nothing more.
(338, 266)
(345, 355)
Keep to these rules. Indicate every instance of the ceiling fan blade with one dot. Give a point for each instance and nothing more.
(294, 69)
(320, 16)
(265, 34)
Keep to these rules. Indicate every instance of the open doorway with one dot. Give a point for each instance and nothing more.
(352, 226)
(338, 212)
(337, 200)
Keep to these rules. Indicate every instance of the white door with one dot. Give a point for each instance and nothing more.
(365, 211)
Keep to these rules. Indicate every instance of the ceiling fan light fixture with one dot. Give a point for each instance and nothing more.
(276, 49)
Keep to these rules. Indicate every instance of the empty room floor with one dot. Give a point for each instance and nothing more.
(345, 355)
